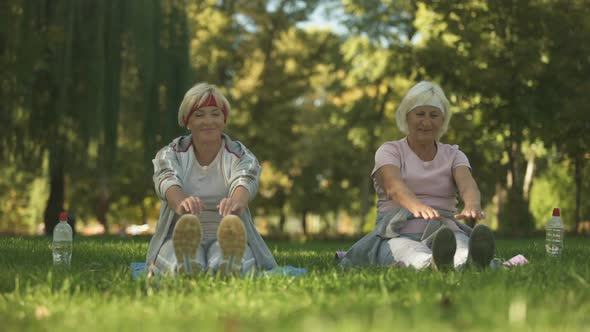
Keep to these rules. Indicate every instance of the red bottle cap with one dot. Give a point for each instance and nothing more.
(63, 216)
(556, 212)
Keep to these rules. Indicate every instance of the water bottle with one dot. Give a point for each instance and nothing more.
(62, 242)
(554, 235)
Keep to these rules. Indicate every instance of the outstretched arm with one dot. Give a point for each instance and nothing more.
(469, 194)
(182, 203)
(245, 174)
(236, 204)
(243, 184)
(168, 184)
(390, 179)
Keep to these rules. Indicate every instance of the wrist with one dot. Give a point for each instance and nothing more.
(241, 194)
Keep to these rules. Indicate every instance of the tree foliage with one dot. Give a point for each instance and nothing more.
(90, 91)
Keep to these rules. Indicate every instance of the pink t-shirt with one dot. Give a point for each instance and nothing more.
(431, 181)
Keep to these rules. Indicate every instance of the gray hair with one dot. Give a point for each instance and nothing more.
(423, 93)
(197, 95)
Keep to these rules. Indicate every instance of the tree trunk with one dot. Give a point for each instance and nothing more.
(102, 205)
(55, 202)
(149, 32)
(280, 198)
(578, 168)
(365, 193)
(304, 222)
(144, 219)
(282, 221)
(514, 217)
(530, 170)
(368, 183)
(499, 200)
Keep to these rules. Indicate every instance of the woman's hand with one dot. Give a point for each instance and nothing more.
(236, 204)
(471, 212)
(230, 205)
(390, 179)
(190, 204)
(469, 193)
(424, 211)
(182, 203)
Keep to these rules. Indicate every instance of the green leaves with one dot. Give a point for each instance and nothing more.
(103, 80)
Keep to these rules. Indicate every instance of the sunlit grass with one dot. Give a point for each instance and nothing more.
(98, 293)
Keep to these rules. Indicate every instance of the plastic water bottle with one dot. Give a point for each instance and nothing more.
(62, 242)
(554, 235)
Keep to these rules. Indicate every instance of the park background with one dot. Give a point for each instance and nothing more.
(90, 91)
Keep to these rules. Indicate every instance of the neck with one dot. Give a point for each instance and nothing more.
(425, 150)
(205, 152)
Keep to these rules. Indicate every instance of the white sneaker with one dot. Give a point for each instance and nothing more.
(186, 240)
(232, 239)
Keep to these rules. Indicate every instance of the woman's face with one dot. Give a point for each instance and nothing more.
(206, 124)
(424, 123)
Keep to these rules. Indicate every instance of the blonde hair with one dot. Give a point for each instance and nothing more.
(199, 94)
(423, 93)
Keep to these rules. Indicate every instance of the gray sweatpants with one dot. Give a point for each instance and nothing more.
(407, 251)
(208, 257)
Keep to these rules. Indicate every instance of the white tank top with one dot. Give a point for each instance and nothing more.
(207, 183)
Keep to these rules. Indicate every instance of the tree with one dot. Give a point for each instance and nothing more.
(379, 52)
(499, 51)
(564, 86)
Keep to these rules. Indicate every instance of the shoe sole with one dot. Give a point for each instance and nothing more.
(444, 246)
(186, 240)
(482, 246)
(232, 241)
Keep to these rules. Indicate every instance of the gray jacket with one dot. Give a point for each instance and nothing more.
(239, 167)
(366, 250)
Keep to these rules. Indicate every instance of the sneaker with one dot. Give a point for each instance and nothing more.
(186, 240)
(444, 246)
(232, 241)
(482, 246)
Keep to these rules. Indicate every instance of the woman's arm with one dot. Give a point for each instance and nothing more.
(182, 203)
(390, 179)
(166, 171)
(469, 193)
(236, 203)
(245, 173)
(243, 184)
(168, 184)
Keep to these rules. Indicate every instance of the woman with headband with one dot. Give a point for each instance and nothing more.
(416, 180)
(204, 181)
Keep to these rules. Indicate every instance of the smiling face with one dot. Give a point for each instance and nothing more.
(206, 124)
(424, 123)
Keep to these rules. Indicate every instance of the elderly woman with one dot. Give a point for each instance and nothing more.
(416, 179)
(205, 181)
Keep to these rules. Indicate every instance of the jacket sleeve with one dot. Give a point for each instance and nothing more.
(245, 172)
(166, 171)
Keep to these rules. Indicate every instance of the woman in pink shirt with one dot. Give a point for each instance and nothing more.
(416, 179)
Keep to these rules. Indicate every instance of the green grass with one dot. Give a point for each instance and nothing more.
(98, 293)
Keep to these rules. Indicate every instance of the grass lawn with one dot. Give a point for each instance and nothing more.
(98, 293)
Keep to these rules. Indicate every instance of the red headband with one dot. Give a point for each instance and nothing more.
(209, 102)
